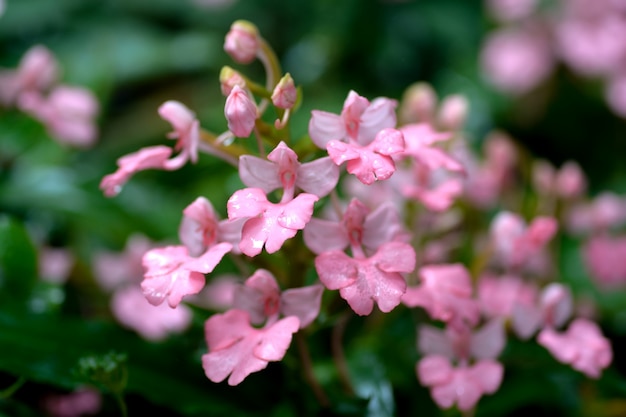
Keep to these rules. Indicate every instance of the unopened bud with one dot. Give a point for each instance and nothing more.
(453, 112)
(285, 94)
(570, 180)
(418, 103)
(241, 112)
(230, 78)
(242, 41)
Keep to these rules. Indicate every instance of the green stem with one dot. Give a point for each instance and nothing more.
(307, 367)
(119, 398)
(8, 392)
(339, 356)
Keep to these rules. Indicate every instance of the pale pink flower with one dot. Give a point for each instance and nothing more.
(359, 226)
(113, 270)
(370, 162)
(582, 346)
(218, 294)
(152, 157)
(436, 189)
(242, 42)
(419, 103)
(238, 349)
(516, 60)
(37, 71)
(463, 385)
(445, 293)
(171, 273)
(420, 140)
(359, 121)
(607, 210)
(511, 10)
(261, 297)
(132, 310)
(82, 402)
(186, 131)
(462, 344)
(515, 243)
(605, 259)
(201, 228)
(187, 135)
(55, 264)
(268, 224)
(67, 112)
(498, 296)
(240, 112)
(615, 94)
(282, 170)
(453, 112)
(570, 180)
(365, 281)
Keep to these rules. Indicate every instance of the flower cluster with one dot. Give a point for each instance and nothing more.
(371, 206)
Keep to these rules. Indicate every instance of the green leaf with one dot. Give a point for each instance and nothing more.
(18, 263)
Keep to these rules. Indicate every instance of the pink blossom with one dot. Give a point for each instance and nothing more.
(437, 190)
(67, 112)
(263, 300)
(83, 401)
(371, 162)
(463, 385)
(460, 343)
(55, 264)
(615, 94)
(132, 310)
(201, 228)
(187, 135)
(242, 42)
(283, 170)
(605, 260)
(363, 281)
(498, 296)
(218, 294)
(237, 349)
(113, 270)
(37, 71)
(607, 210)
(453, 112)
(420, 140)
(240, 112)
(511, 10)
(570, 180)
(359, 226)
(186, 131)
(515, 60)
(582, 346)
(268, 224)
(515, 243)
(419, 103)
(230, 78)
(172, 274)
(152, 157)
(359, 121)
(445, 293)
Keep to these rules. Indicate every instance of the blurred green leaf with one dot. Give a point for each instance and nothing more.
(18, 263)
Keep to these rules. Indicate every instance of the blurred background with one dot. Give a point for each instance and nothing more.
(136, 54)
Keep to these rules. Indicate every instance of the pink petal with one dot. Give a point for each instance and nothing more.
(258, 173)
(324, 127)
(379, 115)
(489, 374)
(489, 341)
(324, 235)
(304, 303)
(434, 341)
(336, 269)
(276, 339)
(249, 202)
(318, 177)
(434, 370)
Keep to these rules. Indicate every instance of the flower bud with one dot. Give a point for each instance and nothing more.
(240, 111)
(242, 41)
(230, 78)
(453, 112)
(285, 94)
(418, 103)
(570, 180)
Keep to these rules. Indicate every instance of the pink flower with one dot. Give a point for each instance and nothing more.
(152, 157)
(359, 226)
(463, 385)
(435, 189)
(242, 42)
(445, 293)
(83, 401)
(515, 243)
(131, 309)
(55, 264)
(605, 259)
(172, 274)
(230, 78)
(420, 140)
(186, 132)
(582, 346)
(283, 170)
(268, 224)
(237, 349)
(371, 162)
(201, 228)
(453, 112)
(37, 71)
(607, 210)
(263, 300)
(363, 281)
(363, 136)
(511, 10)
(515, 61)
(218, 294)
(67, 112)
(615, 94)
(113, 270)
(498, 296)
(240, 112)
